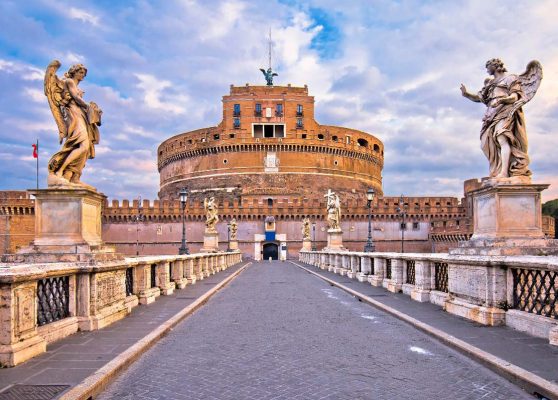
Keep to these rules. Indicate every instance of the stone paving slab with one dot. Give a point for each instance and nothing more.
(70, 360)
(530, 353)
(277, 332)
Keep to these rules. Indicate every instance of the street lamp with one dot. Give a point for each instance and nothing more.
(183, 198)
(229, 236)
(139, 217)
(369, 247)
(314, 236)
(402, 210)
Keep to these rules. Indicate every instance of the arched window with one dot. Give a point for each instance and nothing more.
(362, 142)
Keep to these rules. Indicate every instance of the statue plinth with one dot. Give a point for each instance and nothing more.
(67, 227)
(334, 240)
(507, 220)
(233, 245)
(210, 242)
(306, 245)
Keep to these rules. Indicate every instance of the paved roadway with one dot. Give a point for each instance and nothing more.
(276, 332)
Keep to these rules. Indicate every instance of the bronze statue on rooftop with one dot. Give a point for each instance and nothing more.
(269, 74)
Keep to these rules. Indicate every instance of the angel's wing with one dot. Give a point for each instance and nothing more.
(274, 74)
(263, 71)
(530, 80)
(55, 93)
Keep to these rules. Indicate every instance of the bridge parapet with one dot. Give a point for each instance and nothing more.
(517, 291)
(42, 303)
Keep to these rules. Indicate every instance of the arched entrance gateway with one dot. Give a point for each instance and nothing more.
(270, 250)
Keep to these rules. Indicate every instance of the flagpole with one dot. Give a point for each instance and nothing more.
(37, 164)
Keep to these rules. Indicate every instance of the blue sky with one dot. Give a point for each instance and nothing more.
(391, 68)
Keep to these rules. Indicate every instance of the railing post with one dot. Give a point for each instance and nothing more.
(365, 268)
(147, 293)
(423, 281)
(177, 274)
(163, 278)
(377, 265)
(189, 270)
(395, 284)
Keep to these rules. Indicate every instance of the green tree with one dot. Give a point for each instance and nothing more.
(550, 208)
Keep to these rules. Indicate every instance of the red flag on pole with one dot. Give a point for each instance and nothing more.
(35, 155)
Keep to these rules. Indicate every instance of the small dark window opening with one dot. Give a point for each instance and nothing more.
(270, 202)
(376, 148)
(299, 110)
(320, 136)
(237, 122)
(403, 226)
(415, 225)
(299, 123)
(334, 138)
(258, 110)
(362, 142)
(304, 135)
(236, 110)
(279, 110)
(216, 136)
(189, 141)
(268, 131)
(231, 135)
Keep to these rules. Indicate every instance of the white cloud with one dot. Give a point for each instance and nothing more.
(84, 16)
(153, 90)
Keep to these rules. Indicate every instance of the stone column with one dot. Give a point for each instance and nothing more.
(306, 245)
(395, 284)
(355, 266)
(365, 268)
(379, 265)
(146, 293)
(423, 284)
(177, 274)
(163, 279)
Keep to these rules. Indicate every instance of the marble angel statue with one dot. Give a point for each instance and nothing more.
(77, 123)
(503, 135)
(306, 229)
(211, 214)
(333, 210)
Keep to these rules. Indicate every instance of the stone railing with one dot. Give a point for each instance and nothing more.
(41, 303)
(518, 291)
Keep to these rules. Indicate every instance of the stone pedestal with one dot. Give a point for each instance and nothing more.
(307, 245)
(67, 228)
(233, 245)
(507, 220)
(334, 240)
(210, 242)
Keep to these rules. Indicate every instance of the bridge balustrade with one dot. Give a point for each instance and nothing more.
(42, 303)
(518, 291)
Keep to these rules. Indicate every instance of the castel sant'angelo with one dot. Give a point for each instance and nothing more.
(268, 164)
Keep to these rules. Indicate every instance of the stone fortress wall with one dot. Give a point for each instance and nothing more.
(235, 158)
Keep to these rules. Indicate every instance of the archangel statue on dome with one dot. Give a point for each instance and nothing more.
(77, 123)
(503, 135)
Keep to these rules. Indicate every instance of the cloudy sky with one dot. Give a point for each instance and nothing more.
(391, 68)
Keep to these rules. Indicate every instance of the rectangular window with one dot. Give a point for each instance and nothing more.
(236, 110)
(347, 139)
(237, 122)
(268, 130)
(403, 226)
(415, 225)
(258, 110)
(304, 135)
(279, 110)
(299, 110)
(231, 135)
(299, 123)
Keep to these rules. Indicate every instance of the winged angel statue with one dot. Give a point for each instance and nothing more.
(77, 124)
(269, 74)
(210, 214)
(503, 135)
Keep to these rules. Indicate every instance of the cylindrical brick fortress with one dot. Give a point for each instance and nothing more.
(267, 144)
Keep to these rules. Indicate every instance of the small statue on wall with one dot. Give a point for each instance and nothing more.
(306, 229)
(269, 74)
(77, 123)
(234, 228)
(333, 210)
(211, 214)
(503, 135)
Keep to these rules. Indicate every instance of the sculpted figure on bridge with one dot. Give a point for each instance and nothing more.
(211, 214)
(234, 228)
(503, 135)
(77, 123)
(306, 229)
(333, 210)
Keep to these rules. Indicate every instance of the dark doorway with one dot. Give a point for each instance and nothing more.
(270, 250)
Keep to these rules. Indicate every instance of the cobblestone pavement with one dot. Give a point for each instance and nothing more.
(276, 332)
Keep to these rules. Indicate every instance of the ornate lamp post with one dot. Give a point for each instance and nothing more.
(139, 218)
(183, 198)
(369, 247)
(314, 236)
(402, 210)
(229, 236)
